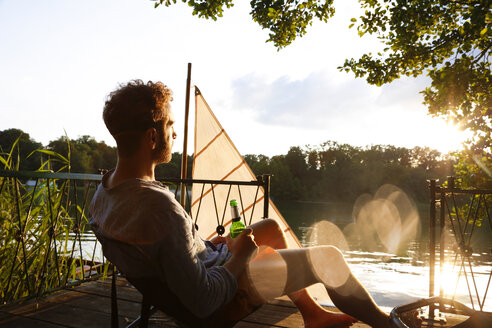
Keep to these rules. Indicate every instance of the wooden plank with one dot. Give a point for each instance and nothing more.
(104, 290)
(276, 316)
(101, 304)
(63, 314)
(13, 321)
(245, 324)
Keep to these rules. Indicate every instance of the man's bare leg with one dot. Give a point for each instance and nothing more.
(326, 264)
(268, 233)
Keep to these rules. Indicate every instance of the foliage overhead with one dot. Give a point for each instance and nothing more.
(450, 41)
(285, 19)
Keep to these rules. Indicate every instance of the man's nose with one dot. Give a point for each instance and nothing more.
(175, 135)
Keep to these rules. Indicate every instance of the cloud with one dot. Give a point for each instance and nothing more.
(404, 92)
(317, 101)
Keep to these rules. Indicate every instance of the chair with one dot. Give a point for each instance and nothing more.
(156, 295)
(146, 309)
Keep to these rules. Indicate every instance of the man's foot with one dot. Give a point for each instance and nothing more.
(327, 319)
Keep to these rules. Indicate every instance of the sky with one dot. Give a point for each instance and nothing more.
(60, 59)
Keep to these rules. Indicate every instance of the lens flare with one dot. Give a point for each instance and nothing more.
(329, 265)
(268, 273)
(389, 220)
(327, 233)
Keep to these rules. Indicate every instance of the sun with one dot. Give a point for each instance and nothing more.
(448, 136)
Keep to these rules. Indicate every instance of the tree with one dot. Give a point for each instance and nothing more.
(23, 152)
(451, 41)
(86, 154)
(285, 19)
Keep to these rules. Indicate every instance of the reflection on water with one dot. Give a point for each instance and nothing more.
(394, 270)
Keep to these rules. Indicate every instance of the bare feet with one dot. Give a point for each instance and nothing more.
(326, 319)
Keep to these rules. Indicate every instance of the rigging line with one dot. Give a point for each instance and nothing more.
(460, 241)
(472, 201)
(475, 284)
(242, 205)
(199, 205)
(487, 289)
(92, 259)
(474, 220)
(459, 274)
(225, 205)
(223, 179)
(215, 207)
(462, 233)
(208, 144)
(457, 280)
(253, 204)
(467, 283)
(461, 247)
(253, 210)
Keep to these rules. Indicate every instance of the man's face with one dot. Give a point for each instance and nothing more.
(165, 141)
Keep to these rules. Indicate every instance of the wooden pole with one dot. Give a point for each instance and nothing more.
(184, 158)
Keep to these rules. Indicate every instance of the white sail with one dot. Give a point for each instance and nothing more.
(216, 158)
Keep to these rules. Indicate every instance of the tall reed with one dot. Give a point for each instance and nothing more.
(41, 224)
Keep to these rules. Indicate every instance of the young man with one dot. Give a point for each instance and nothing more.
(150, 238)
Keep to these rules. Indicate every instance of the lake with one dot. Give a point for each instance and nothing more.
(394, 273)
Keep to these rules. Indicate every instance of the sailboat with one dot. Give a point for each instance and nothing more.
(216, 158)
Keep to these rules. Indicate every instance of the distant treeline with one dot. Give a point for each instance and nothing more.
(328, 172)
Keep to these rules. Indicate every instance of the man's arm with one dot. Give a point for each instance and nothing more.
(201, 290)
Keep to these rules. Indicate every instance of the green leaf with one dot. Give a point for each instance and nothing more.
(5, 163)
(52, 153)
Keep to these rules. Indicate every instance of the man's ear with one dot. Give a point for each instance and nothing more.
(151, 137)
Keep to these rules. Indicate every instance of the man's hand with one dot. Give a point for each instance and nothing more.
(243, 248)
(218, 239)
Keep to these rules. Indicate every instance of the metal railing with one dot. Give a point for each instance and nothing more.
(45, 240)
(455, 217)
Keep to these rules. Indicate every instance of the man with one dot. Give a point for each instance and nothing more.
(149, 236)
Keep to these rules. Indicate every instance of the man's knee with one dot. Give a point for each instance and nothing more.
(273, 226)
(269, 233)
(329, 265)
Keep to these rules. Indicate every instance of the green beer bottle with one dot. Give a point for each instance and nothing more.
(237, 226)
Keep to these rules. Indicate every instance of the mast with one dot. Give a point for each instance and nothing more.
(184, 156)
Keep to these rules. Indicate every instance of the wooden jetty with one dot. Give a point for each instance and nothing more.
(89, 305)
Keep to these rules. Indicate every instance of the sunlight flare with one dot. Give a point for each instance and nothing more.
(449, 135)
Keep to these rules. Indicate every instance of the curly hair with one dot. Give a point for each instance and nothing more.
(133, 108)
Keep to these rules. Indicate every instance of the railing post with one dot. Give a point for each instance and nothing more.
(432, 236)
(266, 199)
(442, 245)
(432, 242)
